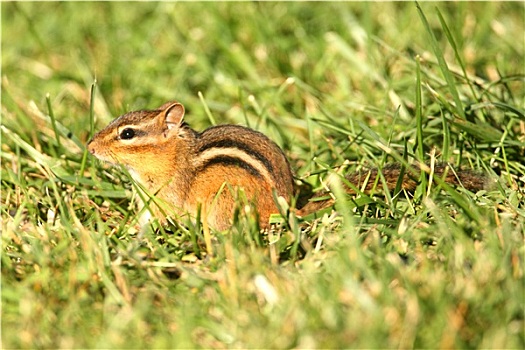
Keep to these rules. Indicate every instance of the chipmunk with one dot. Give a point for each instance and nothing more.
(189, 170)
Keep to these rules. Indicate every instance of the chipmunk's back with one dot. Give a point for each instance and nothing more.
(242, 159)
(248, 149)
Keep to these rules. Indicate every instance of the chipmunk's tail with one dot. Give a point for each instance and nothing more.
(365, 181)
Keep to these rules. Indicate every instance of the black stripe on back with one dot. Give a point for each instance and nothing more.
(229, 143)
(231, 161)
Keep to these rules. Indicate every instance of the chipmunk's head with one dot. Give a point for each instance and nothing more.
(141, 140)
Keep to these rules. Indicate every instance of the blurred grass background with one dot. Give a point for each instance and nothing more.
(334, 84)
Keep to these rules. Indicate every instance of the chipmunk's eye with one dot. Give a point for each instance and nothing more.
(127, 134)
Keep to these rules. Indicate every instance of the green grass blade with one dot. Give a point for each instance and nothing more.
(53, 164)
(442, 64)
(452, 43)
(207, 109)
(53, 122)
(91, 126)
(446, 136)
(420, 151)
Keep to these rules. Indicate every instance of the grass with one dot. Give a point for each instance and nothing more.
(341, 87)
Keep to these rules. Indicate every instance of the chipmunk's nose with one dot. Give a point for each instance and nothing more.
(90, 147)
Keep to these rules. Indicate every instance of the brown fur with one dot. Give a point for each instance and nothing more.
(186, 169)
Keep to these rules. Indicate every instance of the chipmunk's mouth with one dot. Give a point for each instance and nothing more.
(102, 155)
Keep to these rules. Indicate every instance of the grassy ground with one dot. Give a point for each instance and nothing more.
(334, 84)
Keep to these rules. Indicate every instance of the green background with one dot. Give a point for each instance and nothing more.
(333, 84)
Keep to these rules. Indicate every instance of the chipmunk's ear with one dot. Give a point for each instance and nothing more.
(173, 114)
